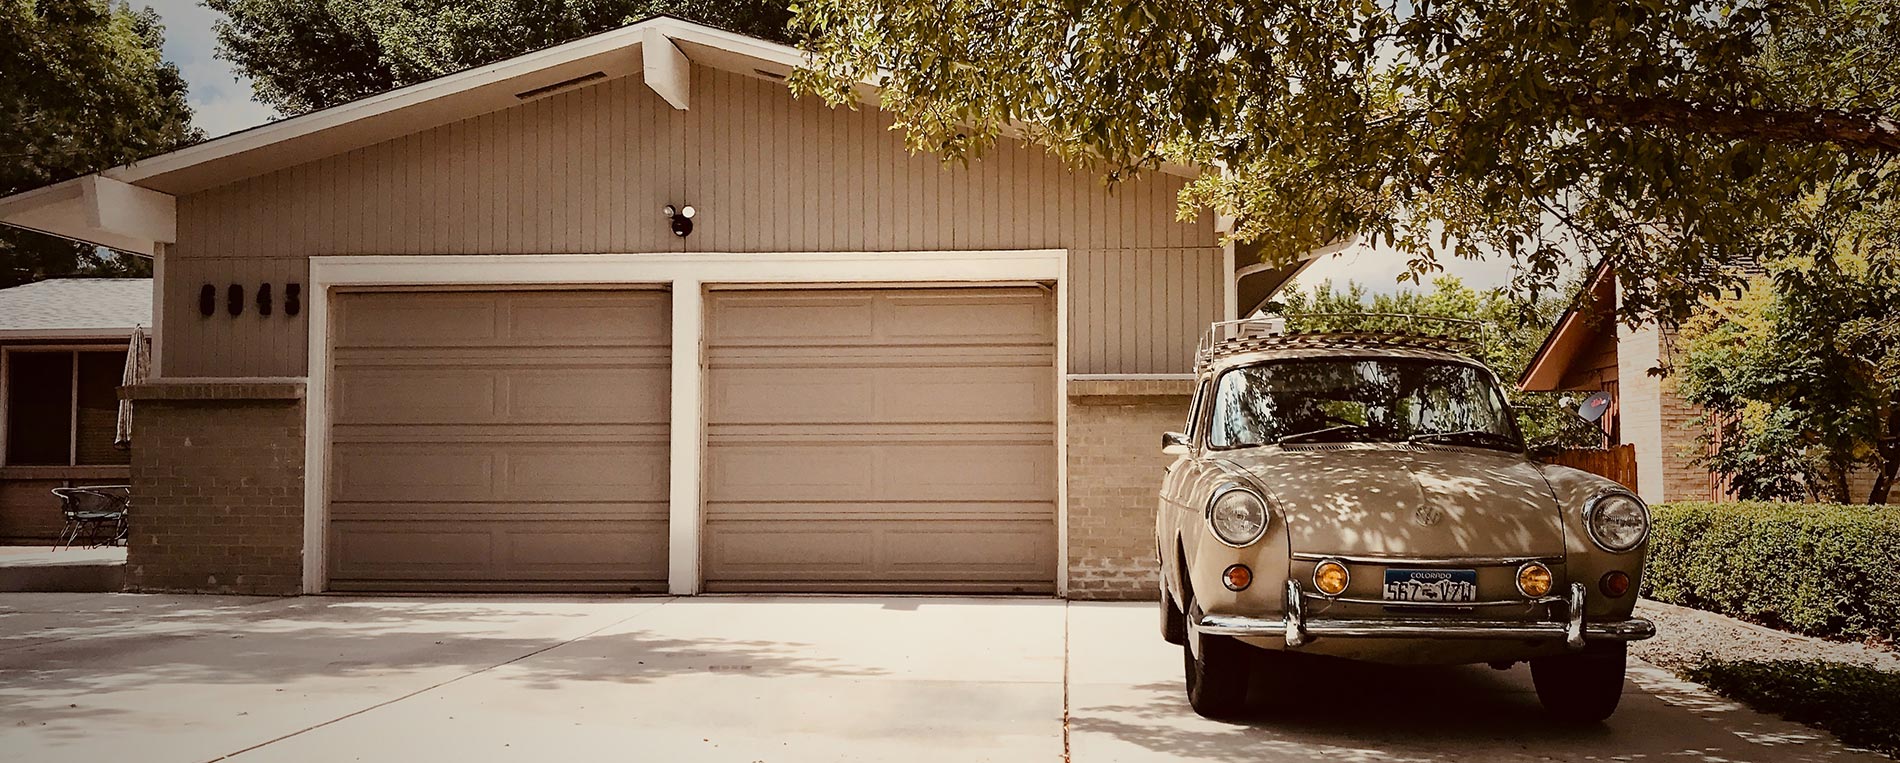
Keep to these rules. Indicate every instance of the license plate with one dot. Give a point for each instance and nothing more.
(1453, 586)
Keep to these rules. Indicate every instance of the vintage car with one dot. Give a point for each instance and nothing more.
(1368, 496)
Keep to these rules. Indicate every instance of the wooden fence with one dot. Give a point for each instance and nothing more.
(1617, 463)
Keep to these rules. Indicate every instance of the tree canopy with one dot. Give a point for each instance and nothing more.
(304, 55)
(1680, 140)
(1507, 336)
(83, 87)
(1801, 373)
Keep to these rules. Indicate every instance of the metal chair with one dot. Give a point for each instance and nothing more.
(96, 513)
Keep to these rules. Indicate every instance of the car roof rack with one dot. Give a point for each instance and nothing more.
(1396, 330)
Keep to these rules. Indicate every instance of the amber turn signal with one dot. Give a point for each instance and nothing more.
(1614, 583)
(1237, 577)
(1331, 578)
(1533, 580)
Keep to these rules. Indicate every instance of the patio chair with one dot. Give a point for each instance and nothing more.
(95, 513)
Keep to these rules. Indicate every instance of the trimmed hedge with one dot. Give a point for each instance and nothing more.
(1860, 704)
(1818, 569)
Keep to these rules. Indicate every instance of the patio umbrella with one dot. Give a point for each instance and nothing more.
(138, 363)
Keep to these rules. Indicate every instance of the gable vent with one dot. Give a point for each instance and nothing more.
(566, 84)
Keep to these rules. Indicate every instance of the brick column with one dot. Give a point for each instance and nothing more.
(217, 487)
(1115, 464)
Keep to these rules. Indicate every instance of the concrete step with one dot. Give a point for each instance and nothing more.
(39, 569)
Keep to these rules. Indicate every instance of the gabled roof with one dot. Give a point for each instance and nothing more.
(76, 308)
(1587, 317)
(133, 207)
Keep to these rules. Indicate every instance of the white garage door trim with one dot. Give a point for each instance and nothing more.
(688, 275)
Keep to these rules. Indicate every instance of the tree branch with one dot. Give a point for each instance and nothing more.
(1774, 125)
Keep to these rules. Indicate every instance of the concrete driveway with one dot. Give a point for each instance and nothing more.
(96, 677)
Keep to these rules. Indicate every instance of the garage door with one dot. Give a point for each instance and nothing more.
(881, 440)
(499, 441)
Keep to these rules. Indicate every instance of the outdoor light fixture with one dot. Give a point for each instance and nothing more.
(682, 218)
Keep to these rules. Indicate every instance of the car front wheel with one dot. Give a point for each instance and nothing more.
(1217, 678)
(1173, 623)
(1582, 687)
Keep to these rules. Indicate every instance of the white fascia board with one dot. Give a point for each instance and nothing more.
(17, 335)
(120, 217)
(128, 210)
(299, 126)
(666, 69)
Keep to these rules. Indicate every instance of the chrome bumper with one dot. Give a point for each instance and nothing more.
(1298, 629)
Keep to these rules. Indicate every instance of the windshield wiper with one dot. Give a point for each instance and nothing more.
(1474, 434)
(1297, 437)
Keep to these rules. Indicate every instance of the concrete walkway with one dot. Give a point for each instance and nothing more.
(93, 677)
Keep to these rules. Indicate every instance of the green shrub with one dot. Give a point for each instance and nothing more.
(1859, 704)
(1823, 570)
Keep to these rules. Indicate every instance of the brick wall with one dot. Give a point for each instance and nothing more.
(1115, 464)
(217, 485)
(1683, 479)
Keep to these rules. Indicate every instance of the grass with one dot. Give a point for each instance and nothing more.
(1859, 704)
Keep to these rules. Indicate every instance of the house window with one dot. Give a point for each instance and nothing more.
(63, 407)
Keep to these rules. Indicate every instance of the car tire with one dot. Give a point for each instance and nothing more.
(1217, 680)
(1583, 687)
(1173, 621)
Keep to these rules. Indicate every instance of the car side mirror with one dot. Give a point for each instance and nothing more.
(1174, 443)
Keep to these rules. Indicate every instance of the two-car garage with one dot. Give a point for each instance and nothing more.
(854, 439)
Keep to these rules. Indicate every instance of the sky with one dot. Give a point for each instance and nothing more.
(1379, 269)
(220, 98)
(221, 103)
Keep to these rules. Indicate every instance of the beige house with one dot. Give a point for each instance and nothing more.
(62, 355)
(447, 339)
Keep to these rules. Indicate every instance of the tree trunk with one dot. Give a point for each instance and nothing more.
(1887, 445)
(1883, 482)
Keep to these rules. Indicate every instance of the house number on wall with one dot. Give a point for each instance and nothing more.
(234, 299)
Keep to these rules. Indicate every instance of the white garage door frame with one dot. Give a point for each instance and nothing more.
(688, 276)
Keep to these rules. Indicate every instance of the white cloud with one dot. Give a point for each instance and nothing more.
(220, 97)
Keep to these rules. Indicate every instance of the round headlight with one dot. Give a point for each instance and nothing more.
(1617, 521)
(1238, 516)
(1533, 579)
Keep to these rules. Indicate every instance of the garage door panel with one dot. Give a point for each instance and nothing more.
(881, 471)
(499, 440)
(922, 555)
(738, 318)
(574, 472)
(474, 555)
(416, 397)
(969, 318)
(421, 320)
(881, 440)
(584, 395)
(873, 511)
(610, 318)
(505, 471)
(410, 472)
(924, 396)
(499, 511)
(476, 395)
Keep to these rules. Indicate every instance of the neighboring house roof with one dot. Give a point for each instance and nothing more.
(75, 308)
(1588, 316)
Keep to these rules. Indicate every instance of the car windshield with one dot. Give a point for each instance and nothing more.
(1360, 400)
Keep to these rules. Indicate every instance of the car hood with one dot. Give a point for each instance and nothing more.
(1408, 501)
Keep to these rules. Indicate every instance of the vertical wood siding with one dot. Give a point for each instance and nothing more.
(588, 171)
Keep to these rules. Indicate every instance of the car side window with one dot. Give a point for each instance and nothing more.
(1194, 411)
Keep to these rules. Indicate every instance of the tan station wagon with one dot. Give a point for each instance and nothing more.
(1368, 496)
